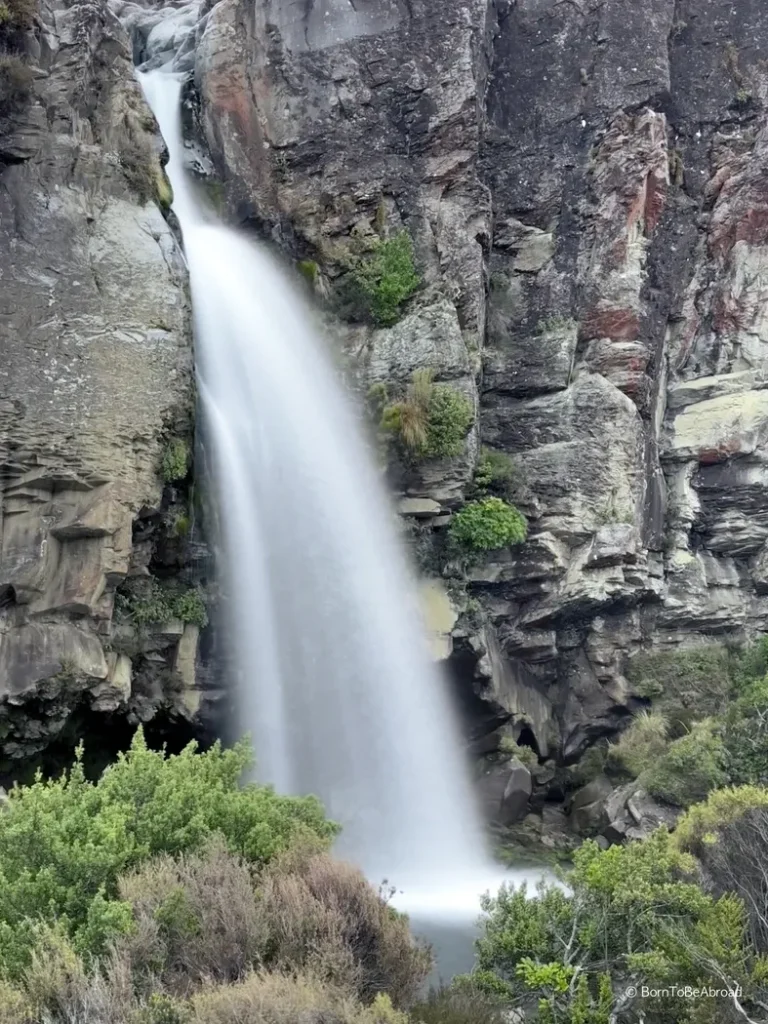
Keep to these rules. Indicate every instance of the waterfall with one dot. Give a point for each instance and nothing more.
(335, 681)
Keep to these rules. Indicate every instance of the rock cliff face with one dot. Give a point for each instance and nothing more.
(584, 183)
(95, 375)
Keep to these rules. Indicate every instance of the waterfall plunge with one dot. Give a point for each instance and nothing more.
(335, 682)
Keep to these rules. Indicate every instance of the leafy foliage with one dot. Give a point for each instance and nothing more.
(487, 525)
(155, 603)
(450, 417)
(631, 916)
(176, 460)
(745, 735)
(431, 421)
(684, 685)
(63, 843)
(496, 473)
(387, 277)
(691, 767)
(699, 825)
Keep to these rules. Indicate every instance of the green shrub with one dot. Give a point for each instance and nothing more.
(450, 417)
(496, 473)
(162, 1009)
(745, 735)
(387, 277)
(683, 685)
(487, 525)
(176, 460)
(65, 842)
(511, 748)
(432, 420)
(189, 606)
(180, 525)
(700, 823)
(631, 916)
(15, 1007)
(309, 270)
(155, 604)
(640, 746)
(690, 769)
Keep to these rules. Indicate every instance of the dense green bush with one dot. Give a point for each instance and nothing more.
(386, 277)
(700, 823)
(450, 417)
(631, 916)
(431, 421)
(63, 843)
(691, 767)
(154, 603)
(745, 734)
(176, 460)
(684, 685)
(487, 525)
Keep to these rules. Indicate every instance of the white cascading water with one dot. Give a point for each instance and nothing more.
(336, 684)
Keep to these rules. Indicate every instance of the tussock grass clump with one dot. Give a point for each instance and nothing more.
(640, 744)
(432, 421)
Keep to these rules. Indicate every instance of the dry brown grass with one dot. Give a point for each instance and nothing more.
(196, 920)
(324, 917)
(288, 999)
(312, 943)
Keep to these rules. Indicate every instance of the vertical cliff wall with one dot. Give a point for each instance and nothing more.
(95, 373)
(583, 184)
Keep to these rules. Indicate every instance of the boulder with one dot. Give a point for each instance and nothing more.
(505, 790)
(588, 806)
(517, 793)
(633, 814)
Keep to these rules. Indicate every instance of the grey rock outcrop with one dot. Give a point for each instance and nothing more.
(96, 369)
